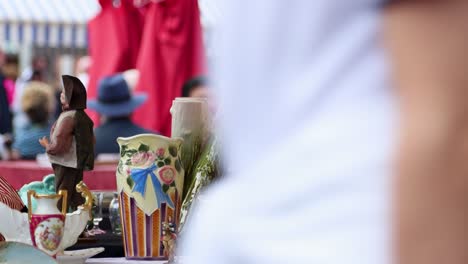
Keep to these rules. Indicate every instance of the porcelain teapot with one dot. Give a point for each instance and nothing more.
(14, 225)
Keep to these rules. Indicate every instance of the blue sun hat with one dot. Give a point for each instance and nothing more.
(114, 97)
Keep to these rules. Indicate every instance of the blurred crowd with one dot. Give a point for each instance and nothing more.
(30, 104)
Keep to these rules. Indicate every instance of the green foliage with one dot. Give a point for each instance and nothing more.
(165, 187)
(160, 164)
(167, 161)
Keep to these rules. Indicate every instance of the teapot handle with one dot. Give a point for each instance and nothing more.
(30, 194)
(85, 193)
(64, 195)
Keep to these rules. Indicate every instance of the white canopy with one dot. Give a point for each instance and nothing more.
(55, 23)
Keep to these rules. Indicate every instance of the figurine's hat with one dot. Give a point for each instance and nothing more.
(114, 97)
(75, 92)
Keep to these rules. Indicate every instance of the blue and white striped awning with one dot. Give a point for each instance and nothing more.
(46, 23)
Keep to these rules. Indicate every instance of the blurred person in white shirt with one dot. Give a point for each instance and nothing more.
(320, 100)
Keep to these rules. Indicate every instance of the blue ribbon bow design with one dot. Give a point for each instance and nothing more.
(140, 176)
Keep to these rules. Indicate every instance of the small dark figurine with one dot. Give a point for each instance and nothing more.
(71, 146)
(168, 239)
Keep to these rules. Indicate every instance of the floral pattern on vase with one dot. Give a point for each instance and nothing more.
(150, 183)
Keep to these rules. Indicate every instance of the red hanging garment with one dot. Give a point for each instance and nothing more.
(114, 41)
(171, 53)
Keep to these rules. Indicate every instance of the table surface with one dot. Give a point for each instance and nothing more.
(18, 173)
(122, 260)
(112, 244)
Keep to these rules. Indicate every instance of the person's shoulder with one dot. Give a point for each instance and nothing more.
(35, 132)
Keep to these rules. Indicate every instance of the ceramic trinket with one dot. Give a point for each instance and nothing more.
(71, 146)
(168, 239)
(190, 121)
(150, 182)
(47, 223)
(14, 225)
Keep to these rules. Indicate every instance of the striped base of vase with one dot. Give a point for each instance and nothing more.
(142, 234)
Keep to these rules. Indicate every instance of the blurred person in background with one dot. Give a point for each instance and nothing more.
(115, 103)
(37, 72)
(82, 69)
(39, 68)
(195, 87)
(5, 114)
(357, 119)
(10, 71)
(38, 102)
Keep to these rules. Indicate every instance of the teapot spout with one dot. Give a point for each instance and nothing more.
(75, 223)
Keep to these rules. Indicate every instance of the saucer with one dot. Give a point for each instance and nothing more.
(19, 253)
(78, 256)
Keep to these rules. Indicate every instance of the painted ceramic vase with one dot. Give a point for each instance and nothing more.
(46, 222)
(190, 121)
(150, 181)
